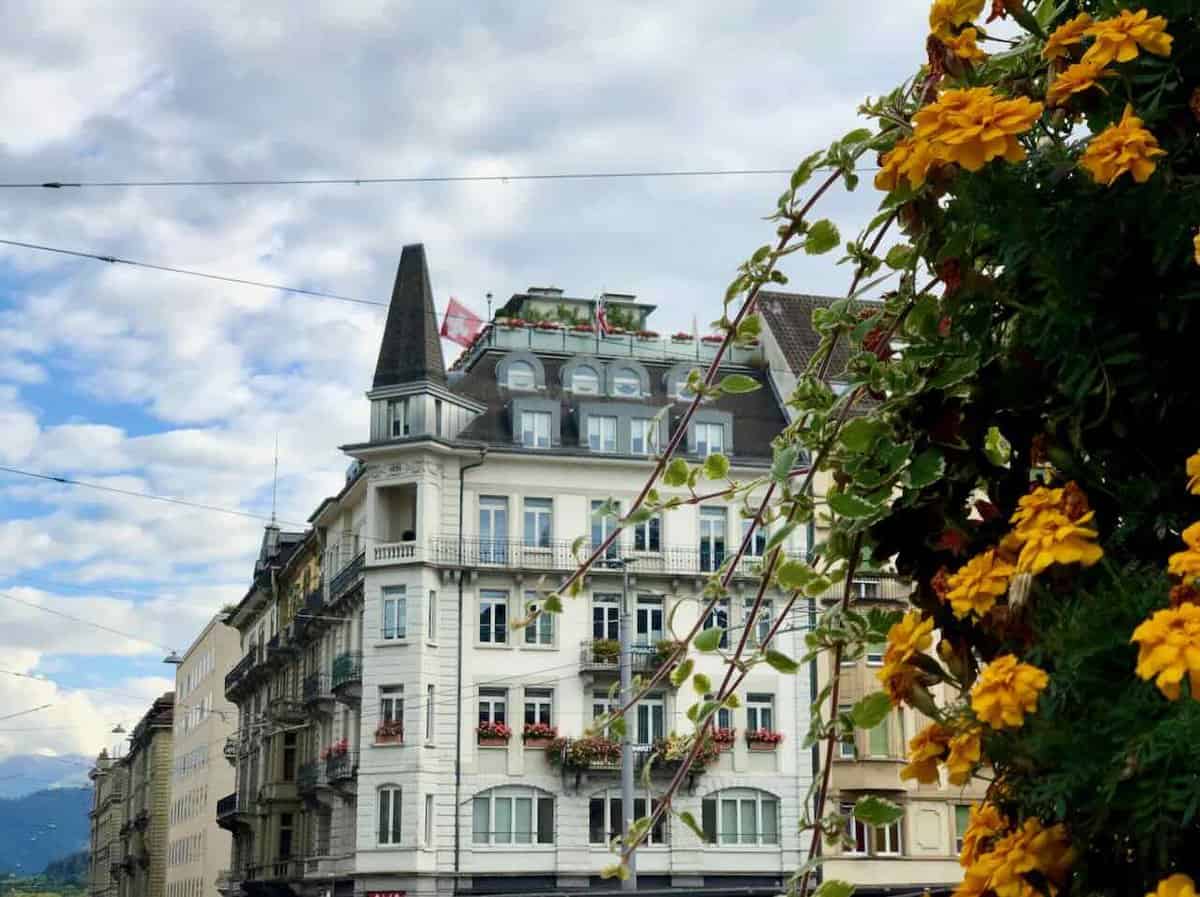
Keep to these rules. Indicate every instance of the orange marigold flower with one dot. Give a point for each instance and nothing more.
(1065, 36)
(1031, 848)
(1076, 79)
(1183, 594)
(1169, 648)
(965, 750)
(976, 586)
(1120, 37)
(1006, 690)
(947, 15)
(1075, 501)
(910, 636)
(1193, 463)
(963, 45)
(910, 159)
(924, 751)
(1177, 885)
(1186, 563)
(1035, 502)
(898, 680)
(984, 823)
(1123, 147)
(1054, 538)
(972, 126)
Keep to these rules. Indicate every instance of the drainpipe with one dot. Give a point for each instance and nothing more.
(462, 470)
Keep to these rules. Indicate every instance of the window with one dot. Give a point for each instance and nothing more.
(493, 617)
(758, 542)
(541, 630)
(398, 415)
(512, 816)
(856, 833)
(286, 822)
(643, 436)
(389, 815)
(538, 703)
(395, 613)
(718, 618)
(431, 618)
(875, 654)
(493, 529)
(289, 757)
(648, 621)
(626, 382)
(740, 816)
(602, 527)
(962, 818)
(606, 617)
(602, 433)
(861, 839)
(724, 718)
(651, 719)
(429, 817)
(712, 539)
(493, 705)
(585, 379)
(710, 438)
(762, 620)
(391, 704)
(885, 839)
(437, 417)
(605, 821)
(535, 429)
(602, 705)
(866, 588)
(538, 522)
(878, 742)
(430, 709)
(679, 388)
(846, 749)
(760, 712)
(521, 376)
(647, 535)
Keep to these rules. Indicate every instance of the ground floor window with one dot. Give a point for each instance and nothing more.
(512, 816)
(605, 820)
(740, 816)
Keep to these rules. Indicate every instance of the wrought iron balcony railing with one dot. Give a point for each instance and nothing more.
(347, 578)
(347, 670)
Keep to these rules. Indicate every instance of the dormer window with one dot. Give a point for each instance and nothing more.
(398, 412)
(521, 376)
(535, 429)
(585, 379)
(626, 382)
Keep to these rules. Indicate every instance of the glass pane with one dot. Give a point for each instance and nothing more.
(485, 622)
(749, 822)
(596, 830)
(384, 815)
(500, 623)
(962, 815)
(616, 819)
(523, 829)
(504, 822)
(658, 834)
(879, 740)
(397, 804)
(729, 822)
(770, 821)
(545, 820)
(708, 820)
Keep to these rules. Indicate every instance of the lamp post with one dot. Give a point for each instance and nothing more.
(626, 673)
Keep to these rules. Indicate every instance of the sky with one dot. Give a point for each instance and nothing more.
(180, 386)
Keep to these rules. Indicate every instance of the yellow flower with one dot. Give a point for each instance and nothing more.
(973, 126)
(924, 751)
(1076, 79)
(908, 637)
(1119, 37)
(1169, 647)
(909, 159)
(963, 45)
(976, 586)
(983, 824)
(1187, 563)
(1054, 538)
(1006, 691)
(1066, 35)
(965, 751)
(898, 680)
(1177, 885)
(974, 882)
(1193, 463)
(946, 15)
(1032, 504)
(1125, 146)
(1031, 848)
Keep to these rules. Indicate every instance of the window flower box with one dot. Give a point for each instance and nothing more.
(763, 739)
(391, 732)
(493, 734)
(584, 753)
(664, 650)
(547, 325)
(538, 735)
(681, 337)
(724, 738)
(668, 753)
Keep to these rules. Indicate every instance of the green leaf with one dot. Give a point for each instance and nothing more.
(708, 639)
(716, 466)
(680, 674)
(822, 236)
(877, 811)
(805, 170)
(552, 604)
(731, 701)
(735, 384)
(617, 727)
(899, 256)
(853, 506)
(641, 515)
(997, 449)
(783, 462)
(676, 473)
(860, 434)
(616, 870)
(690, 821)
(780, 535)
(833, 887)
(702, 684)
(576, 545)
(870, 711)
(792, 575)
(926, 468)
(782, 662)
(693, 713)
(858, 135)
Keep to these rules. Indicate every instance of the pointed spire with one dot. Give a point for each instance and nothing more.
(411, 350)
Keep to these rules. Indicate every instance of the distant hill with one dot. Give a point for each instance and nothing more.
(25, 773)
(38, 828)
(72, 869)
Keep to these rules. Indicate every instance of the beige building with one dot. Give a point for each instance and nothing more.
(107, 817)
(197, 849)
(143, 832)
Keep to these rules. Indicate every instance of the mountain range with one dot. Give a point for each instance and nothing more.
(22, 774)
(38, 828)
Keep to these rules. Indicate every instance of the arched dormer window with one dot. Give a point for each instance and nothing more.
(521, 376)
(627, 379)
(512, 816)
(583, 375)
(521, 372)
(585, 379)
(740, 817)
(676, 383)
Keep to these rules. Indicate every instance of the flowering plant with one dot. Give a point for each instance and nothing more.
(511, 323)
(712, 338)
(339, 747)
(389, 729)
(493, 730)
(581, 753)
(764, 736)
(681, 337)
(539, 730)
(583, 328)
(548, 325)
(724, 735)
(647, 334)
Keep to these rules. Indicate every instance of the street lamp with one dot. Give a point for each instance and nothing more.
(173, 658)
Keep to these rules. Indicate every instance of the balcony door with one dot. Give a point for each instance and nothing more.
(606, 617)
(712, 538)
(649, 620)
(493, 529)
(651, 719)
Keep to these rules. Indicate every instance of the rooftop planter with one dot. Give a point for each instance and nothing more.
(511, 323)
(493, 734)
(681, 337)
(763, 739)
(583, 328)
(538, 735)
(390, 732)
(647, 334)
(547, 325)
(712, 338)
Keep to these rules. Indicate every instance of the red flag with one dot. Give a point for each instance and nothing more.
(601, 316)
(461, 325)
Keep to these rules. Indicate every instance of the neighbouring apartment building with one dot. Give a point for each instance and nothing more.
(920, 850)
(384, 693)
(197, 849)
(147, 796)
(106, 818)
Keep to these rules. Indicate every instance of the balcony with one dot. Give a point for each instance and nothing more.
(602, 656)
(233, 746)
(311, 777)
(347, 579)
(231, 813)
(316, 693)
(346, 679)
(235, 677)
(618, 345)
(384, 553)
(341, 767)
(286, 709)
(304, 626)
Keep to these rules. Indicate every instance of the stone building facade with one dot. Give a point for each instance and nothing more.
(143, 832)
(106, 818)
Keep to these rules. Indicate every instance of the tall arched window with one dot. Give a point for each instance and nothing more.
(512, 816)
(740, 816)
(585, 379)
(521, 376)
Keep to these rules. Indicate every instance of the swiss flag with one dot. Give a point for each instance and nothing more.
(461, 325)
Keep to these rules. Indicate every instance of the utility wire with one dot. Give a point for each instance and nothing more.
(426, 179)
(26, 712)
(59, 613)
